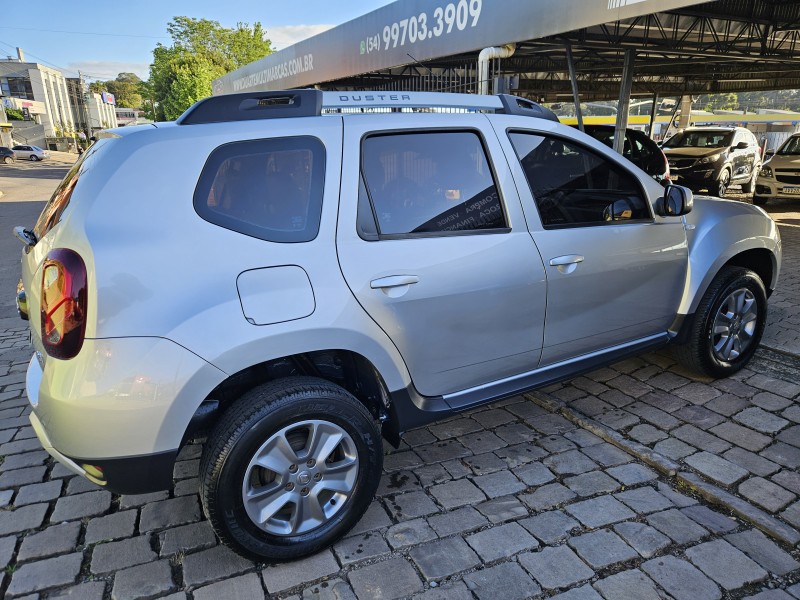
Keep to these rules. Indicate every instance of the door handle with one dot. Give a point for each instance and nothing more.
(393, 281)
(566, 264)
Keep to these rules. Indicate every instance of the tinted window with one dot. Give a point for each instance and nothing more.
(269, 189)
(700, 138)
(574, 186)
(430, 182)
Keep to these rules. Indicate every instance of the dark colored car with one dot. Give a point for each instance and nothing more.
(7, 155)
(639, 149)
(714, 158)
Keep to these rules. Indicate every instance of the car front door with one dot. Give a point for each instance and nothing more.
(615, 271)
(433, 243)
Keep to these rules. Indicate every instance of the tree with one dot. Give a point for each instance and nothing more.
(201, 51)
(125, 89)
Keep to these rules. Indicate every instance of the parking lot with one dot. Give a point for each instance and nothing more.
(640, 480)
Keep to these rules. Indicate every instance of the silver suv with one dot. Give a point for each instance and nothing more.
(299, 274)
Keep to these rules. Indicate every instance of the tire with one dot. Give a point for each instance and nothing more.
(275, 422)
(750, 186)
(734, 291)
(759, 200)
(32, 158)
(7, 160)
(723, 182)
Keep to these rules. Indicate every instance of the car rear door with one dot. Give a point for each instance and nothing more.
(615, 271)
(433, 243)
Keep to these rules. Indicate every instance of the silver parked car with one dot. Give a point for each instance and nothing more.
(29, 152)
(310, 278)
(780, 175)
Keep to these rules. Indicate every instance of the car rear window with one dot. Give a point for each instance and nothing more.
(268, 189)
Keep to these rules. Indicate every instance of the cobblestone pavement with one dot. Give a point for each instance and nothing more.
(509, 501)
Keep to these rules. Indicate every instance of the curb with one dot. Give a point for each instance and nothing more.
(716, 495)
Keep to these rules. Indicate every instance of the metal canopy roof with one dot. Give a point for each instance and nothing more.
(682, 47)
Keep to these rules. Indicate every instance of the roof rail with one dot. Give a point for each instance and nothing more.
(306, 103)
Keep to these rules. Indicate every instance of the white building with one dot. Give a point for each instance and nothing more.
(102, 113)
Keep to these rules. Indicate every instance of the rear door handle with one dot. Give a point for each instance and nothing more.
(566, 264)
(393, 281)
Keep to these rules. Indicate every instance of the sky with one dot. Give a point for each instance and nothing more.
(103, 39)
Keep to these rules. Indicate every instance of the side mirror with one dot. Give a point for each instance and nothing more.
(742, 146)
(677, 201)
(770, 153)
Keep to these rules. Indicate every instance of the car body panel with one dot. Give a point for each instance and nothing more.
(780, 175)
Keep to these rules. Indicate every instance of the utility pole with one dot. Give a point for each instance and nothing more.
(85, 94)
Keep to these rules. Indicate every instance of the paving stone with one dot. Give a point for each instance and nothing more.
(699, 416)
(393, 578)
(717, 469)
(765, 493)
(451, 591)
(680, 579)
(186, 538)
(618, 399)
(10, 448)
(629, 386)
(499, 484)
(516, 433)
(521, 454)
(764, 551)
(136, 500)
(457, 468)
(397, 482)
(601, 548)
(664, 401)
(751, 461)
(643, 538)
(38, 492)
(360, 547)
(676, 498)
(334, 589)
(402, 460)
(674, 449)
(454, 428)
(556, 443)
(646, 434)
(5, 497)
(502, 509)
(143, 581)
(58, 539)
(631, 474)
(534, 473)
(783, 454)
(792, 413)
(485, 463)
(653, 415)
(44, 574)
(244, 587)
(482, 441)
(28, 459)
(169, 513)
(607, 455)
(618, 419)
(795, 590)
(741, 436)
(119, 555)
(440, 452)
(555, 567)
(790, 436)
(374, 518)
(628, 585)
(94, 590)
(221, 562)
(770, 595)
(22, 519)
(711, 520)
(572, 462)
(111, 527)
(792, 514)
(550, 424)
(585, 592)
(725, 564)
(7, 546)
(589, 484)
(701, 439)
(443, 558)
(760, 420)
(550, 527)
(507, 581)
(284, 576)
(457, 521)
(583, 438)
(644, 500)
(590, 406)
(501, 542)
(727, 404)
(789, 480)
(600, 511)
(777, 386)
(18, 477)
(547, 496)
(418, 504)
(677, 526)
(81, 505)
(410, 533)
(493, 417)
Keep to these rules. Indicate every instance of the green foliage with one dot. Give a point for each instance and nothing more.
(125, 89)
(14, 114)
(201, 51)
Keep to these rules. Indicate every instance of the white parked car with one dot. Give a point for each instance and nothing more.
(31, 152)
(309, 278)
(780, 175)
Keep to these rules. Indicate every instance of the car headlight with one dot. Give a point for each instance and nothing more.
(710, 159)
(765, 171)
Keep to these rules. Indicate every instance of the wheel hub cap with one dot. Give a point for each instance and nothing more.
(300, 477)
(734, 325)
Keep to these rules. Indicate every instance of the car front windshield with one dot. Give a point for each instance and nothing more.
(700, 138)
(791, 147)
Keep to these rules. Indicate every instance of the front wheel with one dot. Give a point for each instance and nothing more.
(33, 158)
(290, 468)
(750, 186)
(723, 182)
(759, 200)
(728, 324)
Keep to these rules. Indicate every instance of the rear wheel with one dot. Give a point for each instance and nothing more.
(290, 468)
(728, 324)
(7, 160)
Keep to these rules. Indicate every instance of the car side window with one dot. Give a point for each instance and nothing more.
(574, 186)
(430, 183)
(269, 189)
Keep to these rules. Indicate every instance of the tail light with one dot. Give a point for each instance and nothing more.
(63, 303)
